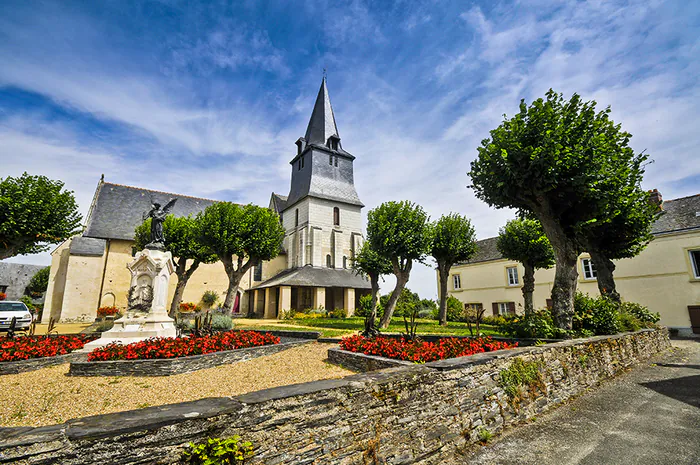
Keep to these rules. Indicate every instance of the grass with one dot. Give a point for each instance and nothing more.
(355, 324)
(324, 332)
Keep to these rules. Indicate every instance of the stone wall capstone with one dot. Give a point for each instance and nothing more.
(409, 414)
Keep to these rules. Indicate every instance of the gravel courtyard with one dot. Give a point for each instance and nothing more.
(48, 396)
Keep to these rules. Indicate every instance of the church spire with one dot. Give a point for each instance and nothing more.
(322, 123)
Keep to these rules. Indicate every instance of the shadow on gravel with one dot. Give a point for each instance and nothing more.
(686, 389)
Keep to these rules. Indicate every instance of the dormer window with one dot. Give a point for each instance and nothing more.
(301, 145)
(333, 142)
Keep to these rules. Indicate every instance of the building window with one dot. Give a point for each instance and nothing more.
(503, 308)
(695, 262)
(588, 269)
(512, 275)
(456, 281)
(336, 216)
(296, 217)
(345, 262)
(336, 161)
(302, 162)
(330, 159)
(3, 289)
(329, 261)
(257, 273)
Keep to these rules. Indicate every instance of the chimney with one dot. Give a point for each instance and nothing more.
(656, 199)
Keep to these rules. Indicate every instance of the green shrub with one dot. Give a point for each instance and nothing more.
(26, 300)
(338, 313)
(209, 298)
(641, 312)
(288, 314)
(425, 313)
(628, 322)
(599, 315)
(520, 374)
(495, 320)
(455, 310)
(536, 325)
(366, 306)
(217, 451)
(221, 322)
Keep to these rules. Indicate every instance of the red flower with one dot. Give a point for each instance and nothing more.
(27, 347)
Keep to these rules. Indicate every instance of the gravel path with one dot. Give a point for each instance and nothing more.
(48, 396)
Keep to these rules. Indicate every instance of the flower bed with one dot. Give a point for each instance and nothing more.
(421, 351)
(163, 348)
(29, 347)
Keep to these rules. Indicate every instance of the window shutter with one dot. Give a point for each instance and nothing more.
(494, 306)
(549, 303)
(511, 308)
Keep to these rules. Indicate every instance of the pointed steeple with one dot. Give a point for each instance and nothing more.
(322, 122)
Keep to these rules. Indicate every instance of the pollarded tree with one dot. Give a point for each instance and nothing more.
(35, 211)
(241, 237)
(400, 232)
(524, 241)
(452, 240)
(369, 262)
(181, 236)
(560, 161)
(624, 233)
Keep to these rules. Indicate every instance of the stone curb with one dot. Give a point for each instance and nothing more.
(32, 364)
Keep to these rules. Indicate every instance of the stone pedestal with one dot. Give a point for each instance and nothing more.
(147, 315)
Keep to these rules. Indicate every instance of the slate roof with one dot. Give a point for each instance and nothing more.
(317, 277)
(88, 246)
(279, 202)
(117, 210)
(322, 123)
(678, 215)
(681, 214)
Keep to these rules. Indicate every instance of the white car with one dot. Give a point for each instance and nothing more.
(13, 309)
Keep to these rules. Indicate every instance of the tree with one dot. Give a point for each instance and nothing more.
(453, 240)
(623, 234)
(524, 241)
(561, 161)
(35, 211)
(182, 240)
(39, 282)
(399, 232)
(369, 262)
(242, 237)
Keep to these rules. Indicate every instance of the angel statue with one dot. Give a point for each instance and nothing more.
(157, 215)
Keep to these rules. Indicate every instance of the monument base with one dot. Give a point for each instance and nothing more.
(134, 328)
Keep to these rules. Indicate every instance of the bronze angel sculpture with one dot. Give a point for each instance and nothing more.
(157, 215)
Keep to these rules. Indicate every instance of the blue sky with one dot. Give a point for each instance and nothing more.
(215, 93)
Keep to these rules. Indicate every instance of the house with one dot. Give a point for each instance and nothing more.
(665, 277)
(321, 215)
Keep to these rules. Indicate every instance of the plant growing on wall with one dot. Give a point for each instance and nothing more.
(181, 236)
(241, 237)
(35, 211)
(452, 240)
(524, 241)
(218, 451)
(399, 232)
(369, 262)
(560, 161)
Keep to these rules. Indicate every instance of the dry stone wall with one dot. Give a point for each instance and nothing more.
(410, 414)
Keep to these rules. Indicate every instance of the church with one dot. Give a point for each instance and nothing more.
(321, 215)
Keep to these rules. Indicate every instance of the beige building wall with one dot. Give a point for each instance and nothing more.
(660, 278)
(57, 282)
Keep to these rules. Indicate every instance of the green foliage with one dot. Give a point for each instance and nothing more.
(599, 315)
(628, 322)
(181, 234)
(365, 307)
(26, 300)
(399, 231)
(455, 310)
(452, 239)
(369, 262)
(484, 435)
(217, 451)
(35, 211)
(39, 282)
(209, 298)
(539, 324)
(406, 303)
(524, 241)
(221, 322)
(641, 312)
(520, 374)
(338, 313)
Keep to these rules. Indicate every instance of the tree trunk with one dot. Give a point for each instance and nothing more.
(566, 256)
(401, 280)
(444, 273)
(235, 274)
(183, 276)
(604, 273)
(370, 325)
(528, 287)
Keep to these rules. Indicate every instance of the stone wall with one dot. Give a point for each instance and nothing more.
(22, 366)
(412, 414)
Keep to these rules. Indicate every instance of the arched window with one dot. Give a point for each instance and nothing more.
(329, 261)
(345, 262)
(336, 216)
(296, 217)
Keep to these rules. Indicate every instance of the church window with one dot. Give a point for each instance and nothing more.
(329, 261)
(345, 262)
(257, 273)
(330, 159)
(336, 216)
(336, 161)
(296, 217)
(302, 162)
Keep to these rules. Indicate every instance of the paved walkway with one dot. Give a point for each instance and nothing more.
(648, 416)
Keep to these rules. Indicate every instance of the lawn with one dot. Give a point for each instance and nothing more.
(425, 326)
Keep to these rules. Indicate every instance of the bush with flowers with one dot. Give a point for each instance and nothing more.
(173, 347)
(107, 311)
(189, 307)
(421, 351)
(26, 347)
(3, 296)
